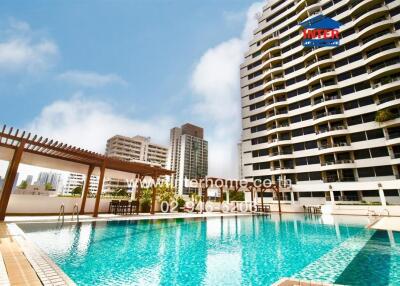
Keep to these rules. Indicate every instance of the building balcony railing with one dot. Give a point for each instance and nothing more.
(324, 130)
(383, 65)
(375, 36)
(332, 179)
(327, 146)
(386, 80)
(327, 114)
(336, 162)
(393, 135)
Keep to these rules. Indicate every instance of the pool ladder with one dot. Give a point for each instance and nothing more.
(75, 210)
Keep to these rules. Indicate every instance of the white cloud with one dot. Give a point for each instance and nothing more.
(22, 51)
(89, 123)
(90, 79)
(216, 83)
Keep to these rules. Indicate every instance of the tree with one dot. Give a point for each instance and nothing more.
(77, 191)
(48, 186)
(120, 192)
(165, 193)
(23, 185)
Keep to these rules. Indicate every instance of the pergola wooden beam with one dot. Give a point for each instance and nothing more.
(23, 143)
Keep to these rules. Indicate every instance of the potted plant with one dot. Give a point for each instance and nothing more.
(145, 201)
(181, 203)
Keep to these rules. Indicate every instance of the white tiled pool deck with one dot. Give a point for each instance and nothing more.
(387, 223)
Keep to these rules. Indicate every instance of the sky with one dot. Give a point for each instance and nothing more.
(83, 71)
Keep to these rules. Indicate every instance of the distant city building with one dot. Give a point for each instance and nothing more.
(15, 182)
(138, 149)
(188, 156)
(49, 178)
(78, 180)
(29, 180)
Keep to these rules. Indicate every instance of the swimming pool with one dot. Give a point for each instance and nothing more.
(243, 250)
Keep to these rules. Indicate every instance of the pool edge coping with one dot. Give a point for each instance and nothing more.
(46, 269)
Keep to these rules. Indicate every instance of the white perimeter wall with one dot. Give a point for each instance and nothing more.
(25, 204)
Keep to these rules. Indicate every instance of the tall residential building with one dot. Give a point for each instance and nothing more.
(137, 148)
(188, 156)
(78, 180)
(310, 114)
(29, 180)
(52, 178)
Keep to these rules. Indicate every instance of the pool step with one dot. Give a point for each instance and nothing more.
(330, 266)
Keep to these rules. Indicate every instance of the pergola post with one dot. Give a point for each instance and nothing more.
(262, 199)
(153, 197)
(221, 199)
(139, 193)
(279, 198)
(86, 189)
(10, 178)
(99, 189)
(251, 197)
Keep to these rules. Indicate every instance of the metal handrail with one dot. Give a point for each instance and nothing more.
(61, 213)
(77, 213)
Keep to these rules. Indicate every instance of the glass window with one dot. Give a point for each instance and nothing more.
(391, 193)
(366, 101)
(301, 161)
(308, 130)
(298, 146)
(374, 134)
(365, 172)
(384, 170)
(368, 117)
(297, 132)
(379, 152)
(351, 104)
(357, 137)
(302, 177)
(362, 154)
(313, 160)
(311, 144)
(295, 119)
(354, 120)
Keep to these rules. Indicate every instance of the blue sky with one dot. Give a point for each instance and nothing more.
(69, 68)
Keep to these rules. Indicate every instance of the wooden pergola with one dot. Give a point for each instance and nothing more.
(23, 147)
(236, 185)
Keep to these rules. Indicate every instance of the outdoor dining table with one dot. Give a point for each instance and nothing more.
(122, 207)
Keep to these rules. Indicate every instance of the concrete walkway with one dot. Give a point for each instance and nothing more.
(387, 223)
(107, 217)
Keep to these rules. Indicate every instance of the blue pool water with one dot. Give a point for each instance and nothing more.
(246, 250)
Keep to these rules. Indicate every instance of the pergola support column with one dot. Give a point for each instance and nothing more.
(86, 189)
(10, 178)
(99, 190)
(153, 197)
(221, 199)
(139, 193)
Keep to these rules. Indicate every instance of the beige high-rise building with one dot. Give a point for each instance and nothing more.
(311, 114)
(188, 156)
(137, 148)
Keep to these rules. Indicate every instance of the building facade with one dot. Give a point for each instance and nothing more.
(325, 118)
(137, 148)
(78, 180)
(188, 156)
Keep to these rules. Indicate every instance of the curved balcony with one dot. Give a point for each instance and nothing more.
(381, 54)
(327, 102)
(327, 117)
(370, 16)
(384, 69)
(331, 148)
(339, 164)
(386, 84)
(321, 75)
(378, 39)
(356, 5)
(323, 89)
(339, 130)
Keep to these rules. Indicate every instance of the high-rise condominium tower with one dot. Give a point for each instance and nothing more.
(326, 118)
(137, 148)
(188, 156)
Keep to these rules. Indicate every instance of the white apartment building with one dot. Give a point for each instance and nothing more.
(309, 114)
(78, 180)
(188, 156)
(137, 148)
